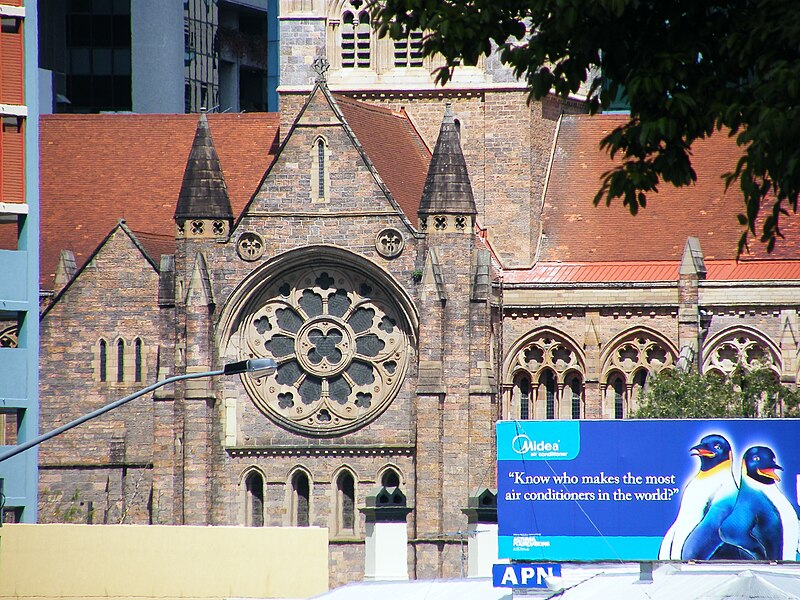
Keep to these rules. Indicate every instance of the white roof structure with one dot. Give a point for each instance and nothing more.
(621, 581)
(420, 589)
(686, 581)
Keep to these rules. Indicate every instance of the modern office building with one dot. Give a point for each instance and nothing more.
(159, 56)
(19, 256)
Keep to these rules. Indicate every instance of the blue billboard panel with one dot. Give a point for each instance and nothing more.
(528, 575)
(649, 489)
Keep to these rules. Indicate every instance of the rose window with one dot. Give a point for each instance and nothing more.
(341, 349)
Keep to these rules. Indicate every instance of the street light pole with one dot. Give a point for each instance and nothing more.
(255, 368)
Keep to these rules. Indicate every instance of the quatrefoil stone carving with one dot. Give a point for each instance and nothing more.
(250, 246)
(389, 243)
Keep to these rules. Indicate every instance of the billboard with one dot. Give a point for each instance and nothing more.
(648, 489)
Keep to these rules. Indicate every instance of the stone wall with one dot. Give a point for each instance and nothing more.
(106, 461)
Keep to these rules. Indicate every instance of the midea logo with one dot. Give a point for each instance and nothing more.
(522, 444)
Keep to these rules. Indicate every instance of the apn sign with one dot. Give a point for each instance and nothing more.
(524, 575)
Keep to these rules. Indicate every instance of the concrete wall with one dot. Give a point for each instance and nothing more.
(130, 561)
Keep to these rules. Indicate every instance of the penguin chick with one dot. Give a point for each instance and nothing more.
(713, 483)
(763, 523)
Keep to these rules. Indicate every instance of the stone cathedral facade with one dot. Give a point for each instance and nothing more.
(421, 262)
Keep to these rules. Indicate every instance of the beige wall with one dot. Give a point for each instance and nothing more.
(140, 561)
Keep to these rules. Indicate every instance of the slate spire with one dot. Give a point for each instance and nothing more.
(447, 188)
(203, 194)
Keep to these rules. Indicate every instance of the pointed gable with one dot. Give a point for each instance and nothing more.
(105, 264)
(351, 179)
(203, 194)
(447, 187)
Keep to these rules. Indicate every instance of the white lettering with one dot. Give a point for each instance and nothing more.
(526, 573)
(522, 444)
(541, 573)
(509, 577)
(529, 541)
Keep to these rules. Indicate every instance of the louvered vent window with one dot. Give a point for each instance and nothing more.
(356, 36)
(408, 52)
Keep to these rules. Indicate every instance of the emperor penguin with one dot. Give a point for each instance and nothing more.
(763, 523)
(713, 484)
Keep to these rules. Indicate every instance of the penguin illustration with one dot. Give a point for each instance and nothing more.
(763, 523)
(713, 485)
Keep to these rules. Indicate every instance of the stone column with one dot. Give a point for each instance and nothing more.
(692, 270)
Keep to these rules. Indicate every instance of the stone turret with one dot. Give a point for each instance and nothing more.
(454, 395)
(447, 201)
(204, 208)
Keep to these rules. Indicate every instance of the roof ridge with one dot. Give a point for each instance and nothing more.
(367, 106)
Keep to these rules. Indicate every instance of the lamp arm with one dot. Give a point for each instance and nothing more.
(101, 411)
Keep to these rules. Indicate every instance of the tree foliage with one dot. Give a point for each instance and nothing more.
(688, 68)
(674, 394)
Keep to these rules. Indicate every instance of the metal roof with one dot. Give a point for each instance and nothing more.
(651, 271)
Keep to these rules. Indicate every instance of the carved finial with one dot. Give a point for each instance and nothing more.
(321, 66)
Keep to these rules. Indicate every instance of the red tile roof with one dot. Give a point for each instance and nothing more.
(650, 271)
(97, 169)
(394, 147)
(577, 231)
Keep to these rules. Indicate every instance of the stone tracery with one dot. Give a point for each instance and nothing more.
(546, 350)
(628, 363)
(739, 348)
(548, 374)
(637, 352)
(340, 344)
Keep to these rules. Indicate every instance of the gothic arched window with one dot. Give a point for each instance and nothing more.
(301, 499)
(138, 367)
(542, 367)
(627, 362)
(320, 176)
(576, 392)
(390, 478)
(356, 37)
(346, 500)
(639, 385)
(120, 361)
(103, 360)
(408, 52)
(547, 388)
(740, 347)
(254, 503)
(618, 385)
(524, 394)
